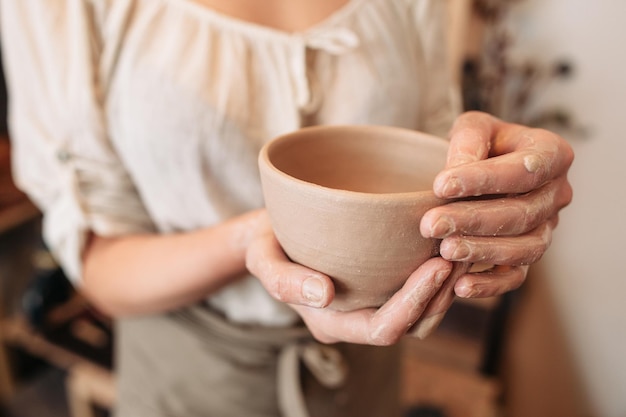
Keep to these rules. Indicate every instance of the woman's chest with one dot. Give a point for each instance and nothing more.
(197, 88)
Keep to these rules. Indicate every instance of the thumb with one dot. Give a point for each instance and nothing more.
(284, 280)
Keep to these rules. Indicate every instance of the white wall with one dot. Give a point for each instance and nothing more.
(586, 263)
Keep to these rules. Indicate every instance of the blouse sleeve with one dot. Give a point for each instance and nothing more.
(53, 53)
(443, 103)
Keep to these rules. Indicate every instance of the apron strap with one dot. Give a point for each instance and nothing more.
(324, 362)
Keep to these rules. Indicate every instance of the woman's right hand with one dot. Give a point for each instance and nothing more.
(310, 292)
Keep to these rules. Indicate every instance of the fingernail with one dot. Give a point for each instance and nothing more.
(427, 326)
(452, 188)
(461, 252)
(313, 290)
(463, 290)
(441, 276)
(442, 227)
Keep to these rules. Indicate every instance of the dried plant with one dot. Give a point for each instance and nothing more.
(495, 83)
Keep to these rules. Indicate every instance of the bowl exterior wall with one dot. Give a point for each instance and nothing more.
(368, 250)
(368, 244)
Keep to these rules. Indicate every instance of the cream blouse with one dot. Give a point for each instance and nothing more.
(134, 116)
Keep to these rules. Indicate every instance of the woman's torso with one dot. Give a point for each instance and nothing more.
(192, 94)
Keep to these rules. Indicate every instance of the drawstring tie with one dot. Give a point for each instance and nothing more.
(324, 362)
(335, 42)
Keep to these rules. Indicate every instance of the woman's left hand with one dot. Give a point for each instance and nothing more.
(416, 307)
(512, 182)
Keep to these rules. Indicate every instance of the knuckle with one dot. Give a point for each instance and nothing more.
(517, 278)
(567, 152)
(251, 257)
(545, 239)
(251, 264)
(531, 217)
(474, 114)
(276, 288)
(536, 249)
(476, 219)
(534, 208)
(534, 256)
(566, 195)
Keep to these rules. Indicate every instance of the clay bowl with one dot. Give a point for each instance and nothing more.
(347, 201)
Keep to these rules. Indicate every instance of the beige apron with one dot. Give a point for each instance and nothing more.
(193, 363)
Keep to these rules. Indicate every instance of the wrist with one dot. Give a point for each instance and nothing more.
(246, 228)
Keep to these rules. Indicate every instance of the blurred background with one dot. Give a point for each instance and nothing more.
(582, 274)
(553, 348)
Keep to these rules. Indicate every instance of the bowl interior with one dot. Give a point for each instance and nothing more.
(363, 159)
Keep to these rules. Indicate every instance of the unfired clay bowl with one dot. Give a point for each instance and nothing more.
(347, 201)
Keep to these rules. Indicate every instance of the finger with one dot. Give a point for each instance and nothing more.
(404, 309)
(470, 138)
(439, 304)
(510, 216)
(383, 326)
(490, 283)
(517, 173)
(487, 156)
(284, 280)
(513, 250)
(332, 326)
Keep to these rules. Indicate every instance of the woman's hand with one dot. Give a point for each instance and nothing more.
(512, 181)
(420, 303)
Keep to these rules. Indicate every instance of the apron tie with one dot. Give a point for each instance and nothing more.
(324, 362)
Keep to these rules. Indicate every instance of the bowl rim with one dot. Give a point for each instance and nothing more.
(266, 164)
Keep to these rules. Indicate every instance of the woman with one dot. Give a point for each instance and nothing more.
(136, 125)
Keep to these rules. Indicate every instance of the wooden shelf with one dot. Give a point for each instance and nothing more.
(17, 214)
(454, 392)
(90, 380)
(17, 332)
(88, 384)
(15, 207)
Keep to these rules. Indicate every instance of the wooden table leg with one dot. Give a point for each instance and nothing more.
(7, 387)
